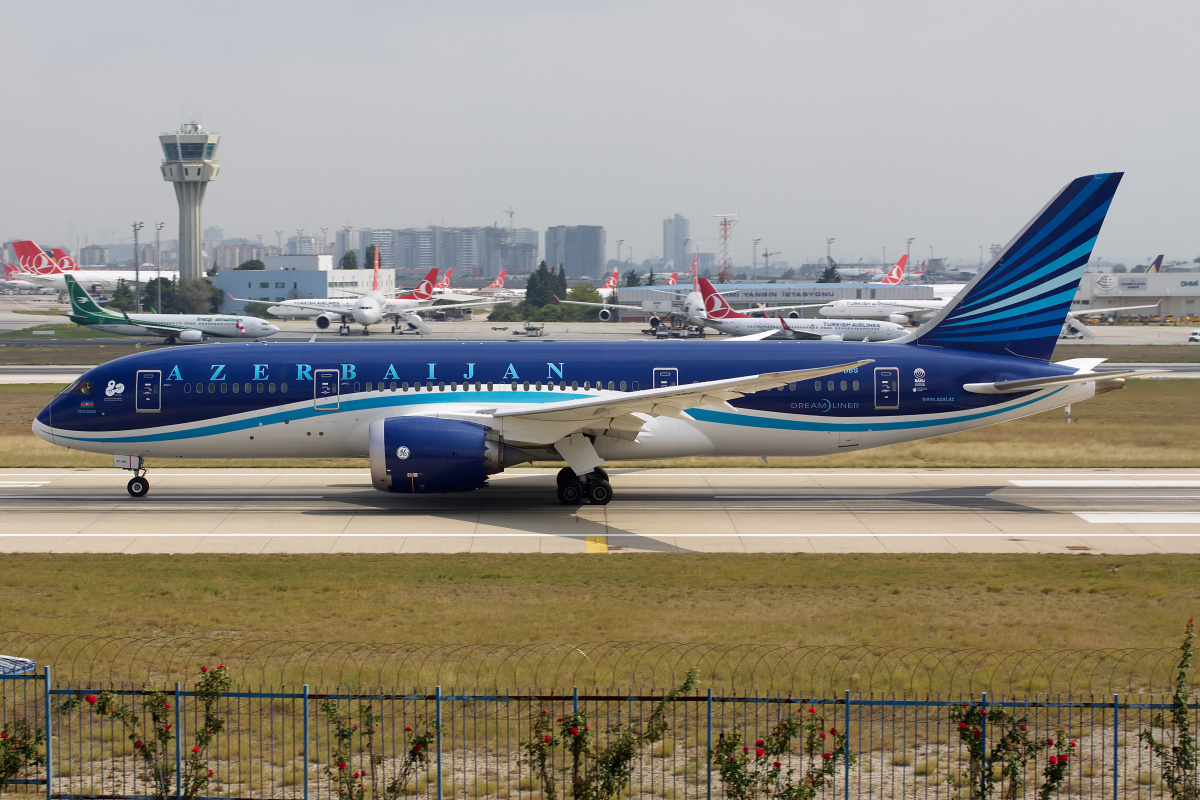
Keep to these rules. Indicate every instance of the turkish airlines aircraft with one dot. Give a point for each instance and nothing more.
(719, 315)
(46, 267)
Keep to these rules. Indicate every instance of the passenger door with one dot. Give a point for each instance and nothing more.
(665, 376)
(326, 389)
(887, 387)
(149, 391)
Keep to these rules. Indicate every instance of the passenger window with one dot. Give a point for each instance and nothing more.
(527, 386)
(212, 388)
(844, 386)
(260, 388)
(829, 386)
(538, 386)
(370, 386)
(489, 386)
(403, 386)
(479, 386)
(441, 386)
(817, 386)
(454, 386)
(855, 385)
(611, 386)
(429, 386)
(622, 386)
(246, 388)
(792, 387)
(391, 385)
(283, 388)
(271, 388)
(224, 388)
(574, 385)
(236, 386)
(587, 385)
(357, 385)
(187, 388)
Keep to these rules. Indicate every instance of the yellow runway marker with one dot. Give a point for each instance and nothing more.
(597, 544)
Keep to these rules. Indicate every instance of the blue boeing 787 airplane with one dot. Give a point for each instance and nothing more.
(442, 416)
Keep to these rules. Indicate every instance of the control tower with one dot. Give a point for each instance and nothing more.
(190, 162)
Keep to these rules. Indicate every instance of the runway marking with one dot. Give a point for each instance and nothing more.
(1125, 517)
(105, 498)
(22, 484)
(1105, 484)
(1011, 537)
(596, 544)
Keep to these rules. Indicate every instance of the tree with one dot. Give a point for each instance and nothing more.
(560, 281)
(258, 310)
(122, 299)
(151, 293)
(1120, 268)
(253, 263)
(830, 275)
(583, 293)
(540, 288)
(505, 312)
(349, 261)
(369, 257)
(197, 297)
(632, 278)
(213, 270)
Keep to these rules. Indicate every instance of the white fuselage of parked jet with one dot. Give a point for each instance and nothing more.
(105, 280)
(847, 330)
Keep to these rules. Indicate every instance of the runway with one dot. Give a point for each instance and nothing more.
(681, 511)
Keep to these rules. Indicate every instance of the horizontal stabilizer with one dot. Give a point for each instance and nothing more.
(1036, 384)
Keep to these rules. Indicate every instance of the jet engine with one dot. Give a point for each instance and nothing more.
(794, 315)
(899, 319)
(190, 337)
(422, 455)
(605, 315)
(654, 322)
(324, 321)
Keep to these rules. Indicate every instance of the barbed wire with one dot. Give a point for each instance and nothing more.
(793, 669)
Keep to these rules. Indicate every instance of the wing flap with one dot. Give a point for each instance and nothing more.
(1036, 384)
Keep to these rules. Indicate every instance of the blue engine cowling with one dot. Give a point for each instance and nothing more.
(417, 455)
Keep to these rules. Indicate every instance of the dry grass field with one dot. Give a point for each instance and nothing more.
(1150, 423)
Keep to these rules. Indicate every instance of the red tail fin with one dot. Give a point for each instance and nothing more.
(375, 286)
(31, 258)
(444, 283)
(672, 280)
(715, 305)
(499, 282)
(424, 289)
(611, 283)
(896, 273)
(65, 262)
(695, 272)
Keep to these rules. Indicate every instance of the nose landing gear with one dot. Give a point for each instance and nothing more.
(138, 485)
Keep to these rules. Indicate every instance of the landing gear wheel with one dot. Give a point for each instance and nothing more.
(566, 474)
(600, 473)
(570, 493)
(137, 487)
(599, 493)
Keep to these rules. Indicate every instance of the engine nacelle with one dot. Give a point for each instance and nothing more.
(899, 319)
(421, 455)
(324, 321)
(190, 337)
(794, 315)
(655, 322)
(605, 315)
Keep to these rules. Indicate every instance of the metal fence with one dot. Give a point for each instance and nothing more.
(278, 743)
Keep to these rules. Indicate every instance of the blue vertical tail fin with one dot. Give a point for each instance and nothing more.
(1017, 304)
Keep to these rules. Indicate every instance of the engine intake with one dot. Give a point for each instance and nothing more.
(323, 321)
(605, 315)
(421, 455)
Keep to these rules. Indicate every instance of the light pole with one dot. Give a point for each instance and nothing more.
(754, 260)
(137, 282)
(158, 226)
(981, 256)
(828, 258)
(908, 247)
(619, 243)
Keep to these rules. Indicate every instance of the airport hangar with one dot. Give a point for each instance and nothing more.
(1179, 292)
(296, 277)
(746, 297)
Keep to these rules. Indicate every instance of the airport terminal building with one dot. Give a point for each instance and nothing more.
(1179, 292)
(747, 296)
(296, 277)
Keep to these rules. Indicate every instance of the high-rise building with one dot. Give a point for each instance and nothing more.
(580, 249)
(190, 162)
(93, 255)
(675, 239)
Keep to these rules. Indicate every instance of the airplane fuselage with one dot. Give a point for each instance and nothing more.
(847, 330)
(283, 400)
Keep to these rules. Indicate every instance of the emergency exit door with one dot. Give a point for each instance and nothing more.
(149, 391)
(326, 388)
(887, 387)
(665, 376)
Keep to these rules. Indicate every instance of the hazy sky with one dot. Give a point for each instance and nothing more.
(952, 122)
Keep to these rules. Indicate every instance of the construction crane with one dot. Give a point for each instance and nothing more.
(767, 260)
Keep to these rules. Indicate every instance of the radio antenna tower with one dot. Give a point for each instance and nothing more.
(726, 240)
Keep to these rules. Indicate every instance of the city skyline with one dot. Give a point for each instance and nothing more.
(868, 124)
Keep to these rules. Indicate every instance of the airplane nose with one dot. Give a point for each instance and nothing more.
(271, 329)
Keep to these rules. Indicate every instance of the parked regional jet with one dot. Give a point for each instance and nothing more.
(187, 328)
(719, 315)
(438, 417)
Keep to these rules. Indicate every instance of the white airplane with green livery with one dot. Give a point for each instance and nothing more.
(188, 328)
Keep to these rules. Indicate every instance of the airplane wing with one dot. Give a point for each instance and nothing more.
(757, 310)
(598, 305)
(613, 413)
(156, 327)
(1101, 311)
(445, 306)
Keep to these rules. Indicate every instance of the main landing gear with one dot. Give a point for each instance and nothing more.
(593, 488)
(138, 485)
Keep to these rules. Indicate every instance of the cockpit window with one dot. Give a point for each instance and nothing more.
(82, 387)
(69, 388)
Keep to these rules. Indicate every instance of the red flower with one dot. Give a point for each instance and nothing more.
(827, 755)
(222, 666)
(407, 729)
(341, 765)
(962, 725)
(759, 743)
(585, 727)
(812, 711)
(574, 731)
(195, 749)
(91, 698)
(416, 748)
(1024, 728)
(167, 727)
(137, 745)
(760, 752)
(833, 731)
(558, 720)
(821, 734)
(776, 765)
(167, 706)
(733, 758)
(745, 749)
(1063, 758)
(544, 711)
(3, 735)
(1053, 761)
(204, 669)
(978, 735)
(1049, 741)
(1072, 744)
(547, 738)
(353, 727)
(210, 773)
